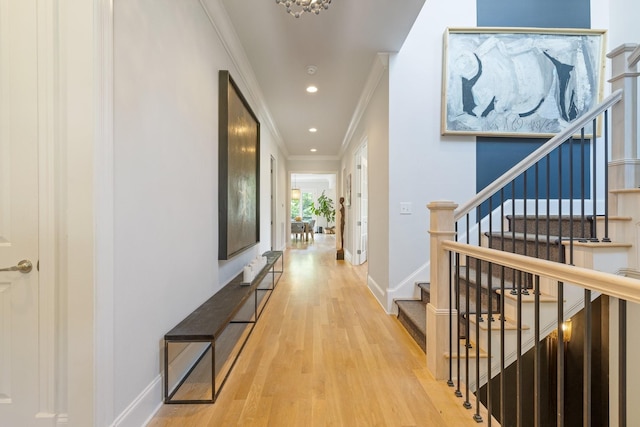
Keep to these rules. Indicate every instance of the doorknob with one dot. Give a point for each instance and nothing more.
(23, 266)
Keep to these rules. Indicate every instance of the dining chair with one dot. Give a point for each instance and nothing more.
(309, 229)
(297, 229)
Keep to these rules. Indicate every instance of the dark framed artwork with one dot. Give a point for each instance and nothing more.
(526, 82)
(238, 171)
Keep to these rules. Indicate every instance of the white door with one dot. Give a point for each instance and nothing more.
(19, 291)
(361, 204)
(364, 205)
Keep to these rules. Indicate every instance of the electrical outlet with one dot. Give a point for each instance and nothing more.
(405, 208)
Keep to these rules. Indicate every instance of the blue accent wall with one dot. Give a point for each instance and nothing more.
(534, 13)
(495, 156)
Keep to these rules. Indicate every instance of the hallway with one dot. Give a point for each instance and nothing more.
(325, 353)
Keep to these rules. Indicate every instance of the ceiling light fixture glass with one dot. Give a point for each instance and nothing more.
(295, 192)
(313, 150)
(312, 130)
(298, 7)
(312, 89)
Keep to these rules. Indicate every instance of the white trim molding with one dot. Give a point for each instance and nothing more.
(48, 137)
(380, 65)
(104, 341)
(221, 22)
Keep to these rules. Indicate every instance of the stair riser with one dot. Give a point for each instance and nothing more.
(413, 330)
(485, 297)
(547, 310)
(425, 296)
(543, 250)
(582, 228)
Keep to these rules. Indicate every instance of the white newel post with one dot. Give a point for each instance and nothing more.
(441, 228)
(624, 167)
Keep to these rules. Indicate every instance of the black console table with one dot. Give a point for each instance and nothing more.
(228, 317)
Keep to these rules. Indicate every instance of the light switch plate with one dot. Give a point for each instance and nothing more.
(405, 208)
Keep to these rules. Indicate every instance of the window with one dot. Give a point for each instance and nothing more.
(302, 207)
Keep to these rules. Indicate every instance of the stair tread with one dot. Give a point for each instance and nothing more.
(530, 237)
(509, 324)
(426, 286)
(551, 217)
(416, 311)
(472, 351)
(530, 298)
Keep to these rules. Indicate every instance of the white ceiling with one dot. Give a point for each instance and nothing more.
(342, 42)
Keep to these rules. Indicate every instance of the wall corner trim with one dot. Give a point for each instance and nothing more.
(380, 65)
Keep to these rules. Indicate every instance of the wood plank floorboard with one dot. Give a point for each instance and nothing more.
(324, 353)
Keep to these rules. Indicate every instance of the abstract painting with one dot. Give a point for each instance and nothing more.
(519, 81)
(238, 171)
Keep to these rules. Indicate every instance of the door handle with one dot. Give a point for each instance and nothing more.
(24, 266)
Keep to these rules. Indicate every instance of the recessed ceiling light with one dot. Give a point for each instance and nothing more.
(313, 130)
(313, 150)
(312, 89)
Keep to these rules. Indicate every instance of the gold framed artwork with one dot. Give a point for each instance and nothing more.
(519, 81)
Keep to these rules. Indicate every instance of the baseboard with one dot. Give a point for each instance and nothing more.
(379, 293)
(407, 288)
(147, 403)
(143, 407)
(62, 420)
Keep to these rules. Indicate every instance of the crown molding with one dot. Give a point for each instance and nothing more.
(219, 18)
(314, 158)
(380, 65)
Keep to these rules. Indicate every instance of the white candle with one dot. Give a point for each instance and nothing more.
(247, 274)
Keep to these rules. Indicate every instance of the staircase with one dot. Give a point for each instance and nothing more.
(519, 238)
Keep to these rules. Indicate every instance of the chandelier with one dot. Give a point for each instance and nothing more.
(298, 7)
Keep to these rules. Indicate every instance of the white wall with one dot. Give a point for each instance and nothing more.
(374, 127)
(167, 58)
(623, 14)
(423, 165)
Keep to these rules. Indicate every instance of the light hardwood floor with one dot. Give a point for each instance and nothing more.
(324, 353)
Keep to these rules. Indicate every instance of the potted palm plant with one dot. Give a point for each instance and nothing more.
(325, 209)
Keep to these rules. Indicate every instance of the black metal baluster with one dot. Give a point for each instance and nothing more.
(606, 176)
(519, 364)
(525, 289)
(594, 183)
(537, 208)
(451, 284)
(503, 380)
(586, 367)
(537, 373)
(560, 247)
(458, 392)
(560, 374)
(571, 159)
(560, 361)
(548, 218)
(622, 363)
(467, 316)
(582, 190)
(490, 319)
(513, 231)
(477, 417)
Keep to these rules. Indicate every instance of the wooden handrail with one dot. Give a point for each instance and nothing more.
(609, 284)
(634, 58)
(537, 155)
